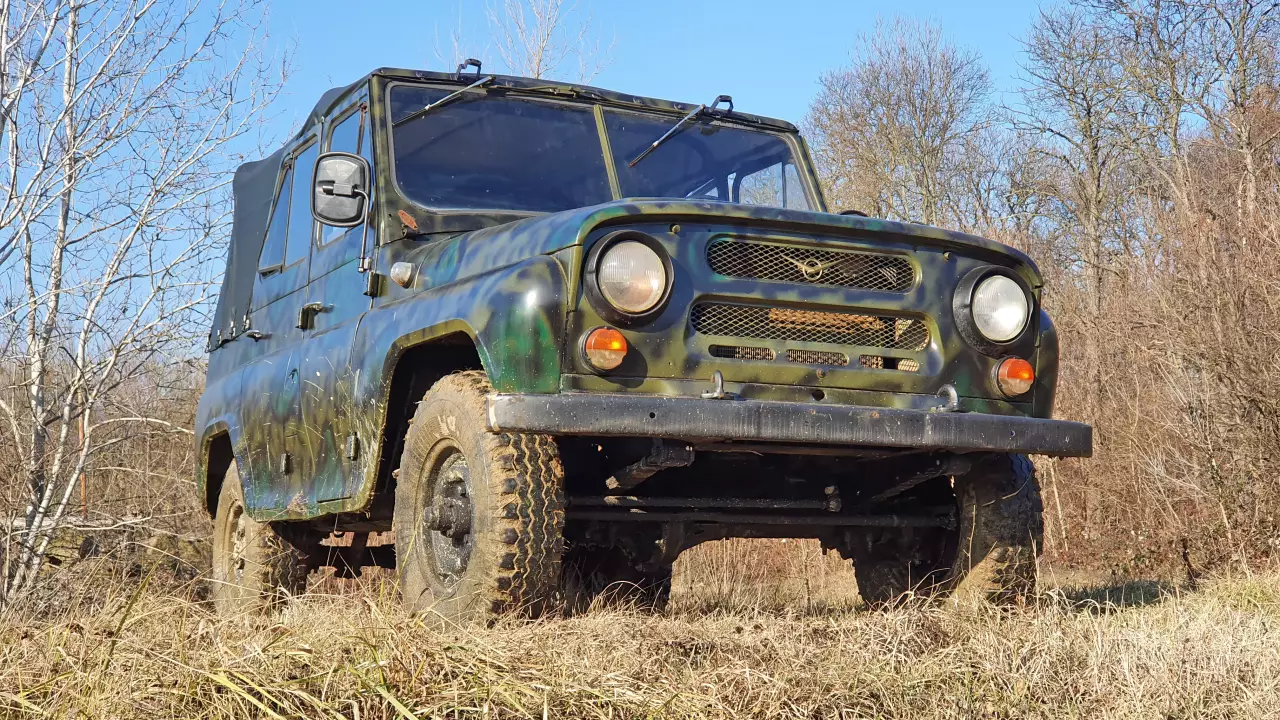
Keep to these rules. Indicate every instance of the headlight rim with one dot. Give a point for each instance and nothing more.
(962, 310)
(591, 285)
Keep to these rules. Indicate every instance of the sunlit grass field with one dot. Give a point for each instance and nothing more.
(736, 642)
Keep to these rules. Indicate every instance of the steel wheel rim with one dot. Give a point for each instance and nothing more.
(239, 542)
(230, 564)
(448, 518)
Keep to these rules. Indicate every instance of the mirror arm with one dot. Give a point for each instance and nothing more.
(366, 257)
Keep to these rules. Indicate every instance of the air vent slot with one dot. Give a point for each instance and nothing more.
(737, 352)
(817, 357)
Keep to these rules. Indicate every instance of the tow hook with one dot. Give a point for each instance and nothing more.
(717, 391)
(951, 399)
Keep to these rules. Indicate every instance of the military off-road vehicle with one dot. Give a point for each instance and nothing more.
(526, 341)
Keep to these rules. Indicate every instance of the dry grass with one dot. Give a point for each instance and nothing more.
(135, 647)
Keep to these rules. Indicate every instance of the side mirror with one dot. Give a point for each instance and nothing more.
(340, 190)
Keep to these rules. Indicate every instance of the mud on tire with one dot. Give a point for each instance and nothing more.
(479, 516)
(256, 565)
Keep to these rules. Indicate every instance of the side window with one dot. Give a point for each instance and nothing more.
(301, 226)
(272, 257)
(347, 136)
(793, 188)
(776, 186)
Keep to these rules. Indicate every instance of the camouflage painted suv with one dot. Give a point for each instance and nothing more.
(552, 336)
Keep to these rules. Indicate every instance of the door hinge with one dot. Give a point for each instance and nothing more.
(353, 446)
(372, 284)
(284, 464)
(307, 313)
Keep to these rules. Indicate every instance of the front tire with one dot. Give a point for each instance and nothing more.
(479, 516)
(1001, 531)
(256, 566)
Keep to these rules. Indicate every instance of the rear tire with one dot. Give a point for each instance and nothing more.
(479, 516)
(256, 566)
(990, 555)
(608, 576)
(894, 565)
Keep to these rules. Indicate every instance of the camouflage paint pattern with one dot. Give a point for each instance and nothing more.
(512, 282)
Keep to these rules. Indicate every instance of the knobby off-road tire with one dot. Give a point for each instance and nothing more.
(608, 576)
(479, 516)
(894, 565)
(990, 556)
(255, 564)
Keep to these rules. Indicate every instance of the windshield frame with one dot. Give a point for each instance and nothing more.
(799, 150)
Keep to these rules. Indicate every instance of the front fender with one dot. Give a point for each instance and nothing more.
(515, 316)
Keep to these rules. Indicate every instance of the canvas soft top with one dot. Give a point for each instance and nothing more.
(253, 188)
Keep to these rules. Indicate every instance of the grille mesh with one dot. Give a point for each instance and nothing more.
(766, 323)
(764, 261)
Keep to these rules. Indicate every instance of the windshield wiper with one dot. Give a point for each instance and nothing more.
(675, 128)
(447, 98)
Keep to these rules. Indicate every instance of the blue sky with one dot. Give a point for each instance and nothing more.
(767, 55)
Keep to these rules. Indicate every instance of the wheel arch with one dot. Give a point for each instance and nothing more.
(216, 457)
(411, 372)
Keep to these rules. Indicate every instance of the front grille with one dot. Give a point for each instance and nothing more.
(787, 263)
(766, 323)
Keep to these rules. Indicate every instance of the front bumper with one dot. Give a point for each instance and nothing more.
(685, 418)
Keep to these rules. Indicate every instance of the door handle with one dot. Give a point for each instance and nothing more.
(307, 313)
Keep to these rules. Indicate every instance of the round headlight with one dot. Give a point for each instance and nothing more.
(632, 277)
(1000, 308)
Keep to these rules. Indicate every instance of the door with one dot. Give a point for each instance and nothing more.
(334, 449)
(270, 413)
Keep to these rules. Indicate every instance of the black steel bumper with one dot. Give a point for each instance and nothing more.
(791, 422)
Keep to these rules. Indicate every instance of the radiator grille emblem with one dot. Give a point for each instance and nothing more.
(810, 268)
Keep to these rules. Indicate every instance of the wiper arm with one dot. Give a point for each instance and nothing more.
(675, 128)
(446, 99)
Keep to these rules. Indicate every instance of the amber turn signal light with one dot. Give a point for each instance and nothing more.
(1015, 376)
(604, 348)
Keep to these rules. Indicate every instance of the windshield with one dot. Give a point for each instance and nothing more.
(484, 151)
(704, 161)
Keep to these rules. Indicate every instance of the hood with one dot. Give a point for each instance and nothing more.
(548, 233)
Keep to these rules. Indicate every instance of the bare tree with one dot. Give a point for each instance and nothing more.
(536, 38)
(888, 129)
(1242, 38)
(1075, 100)
(121, 121)
(1159, 46)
